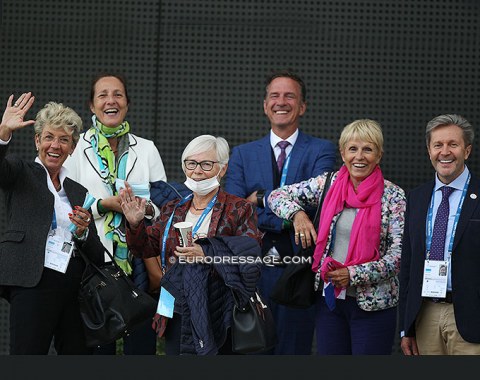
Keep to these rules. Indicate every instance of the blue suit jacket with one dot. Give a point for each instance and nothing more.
(465, 261)
(250, 169)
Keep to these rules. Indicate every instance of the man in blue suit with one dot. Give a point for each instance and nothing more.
(285, 156)
(440, 315)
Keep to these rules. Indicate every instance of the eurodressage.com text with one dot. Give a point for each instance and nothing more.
(237, 260)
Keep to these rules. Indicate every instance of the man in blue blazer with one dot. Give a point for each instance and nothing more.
(258, 167)
(440, 315)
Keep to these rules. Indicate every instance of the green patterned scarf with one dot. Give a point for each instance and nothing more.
(112, 168)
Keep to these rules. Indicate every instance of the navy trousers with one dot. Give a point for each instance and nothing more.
(349, 330)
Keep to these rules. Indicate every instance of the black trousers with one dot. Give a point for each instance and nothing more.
(48, 311)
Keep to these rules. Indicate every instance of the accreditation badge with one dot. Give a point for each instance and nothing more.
(435, 278)
(58, 252)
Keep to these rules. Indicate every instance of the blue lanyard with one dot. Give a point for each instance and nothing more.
(455, 222)
(54, 221)
(285, 170)
(195, 228)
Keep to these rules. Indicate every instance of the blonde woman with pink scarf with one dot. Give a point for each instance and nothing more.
(358, 247)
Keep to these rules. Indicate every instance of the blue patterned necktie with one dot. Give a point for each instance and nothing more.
(281, 158)
(440, 227)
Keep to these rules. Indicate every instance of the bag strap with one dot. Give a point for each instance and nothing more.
(328, 181)
(89, 263)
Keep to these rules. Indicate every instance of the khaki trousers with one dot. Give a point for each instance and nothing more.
(437, 334)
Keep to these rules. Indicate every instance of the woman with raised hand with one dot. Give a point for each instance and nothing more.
(40, 269)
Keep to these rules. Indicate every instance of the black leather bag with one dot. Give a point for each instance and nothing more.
(295, 286)
(111, 306)
(253, 327)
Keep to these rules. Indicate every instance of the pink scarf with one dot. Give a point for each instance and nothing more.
(365, 235)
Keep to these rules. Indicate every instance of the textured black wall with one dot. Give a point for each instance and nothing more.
(198, 67)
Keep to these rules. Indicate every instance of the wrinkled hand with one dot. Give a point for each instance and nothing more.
(305, 233)
(409, 346)
(132, 207)
(339, 277)
(13, 117)
(81, 218)
(190, 253)
(112, 203)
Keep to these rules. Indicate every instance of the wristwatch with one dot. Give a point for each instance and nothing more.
(260, 196)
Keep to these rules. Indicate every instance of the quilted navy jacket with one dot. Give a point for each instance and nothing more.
(203, 292)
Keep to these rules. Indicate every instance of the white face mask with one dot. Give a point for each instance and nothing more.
(202, 187)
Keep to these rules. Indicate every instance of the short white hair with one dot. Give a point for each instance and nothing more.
(205, 143)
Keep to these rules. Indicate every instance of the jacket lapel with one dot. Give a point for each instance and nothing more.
(132, 154)
(264, 161)
(75, 197)
(297, 153)
(217, 213)
(420, 207)
(90, 154)
(469, 206)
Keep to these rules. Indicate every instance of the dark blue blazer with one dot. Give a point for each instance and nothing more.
(465, 261)
(250, 169)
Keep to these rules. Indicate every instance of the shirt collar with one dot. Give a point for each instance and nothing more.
(274, 139)
(61, 176)
(457, 184)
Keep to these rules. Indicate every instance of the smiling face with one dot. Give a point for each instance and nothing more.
(54, 145)
(283, 105)
(110, 103)
(448, 152)
(360, 158)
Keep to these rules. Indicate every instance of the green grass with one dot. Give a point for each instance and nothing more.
(160, 346)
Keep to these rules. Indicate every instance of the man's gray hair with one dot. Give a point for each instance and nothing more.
(451, 119)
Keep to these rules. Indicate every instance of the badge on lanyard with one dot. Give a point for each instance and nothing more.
(58, 252)
(435, 278)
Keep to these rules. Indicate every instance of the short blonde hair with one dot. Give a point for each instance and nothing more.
(57, 116)
(205, 143)
(363, 129)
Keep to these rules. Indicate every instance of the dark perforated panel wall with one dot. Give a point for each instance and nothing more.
(198, 67)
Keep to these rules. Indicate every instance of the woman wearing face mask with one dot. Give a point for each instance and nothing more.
(106, 153)
(198, 295)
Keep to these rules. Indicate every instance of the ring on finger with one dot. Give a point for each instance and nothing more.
(15, 104)
(302, 234)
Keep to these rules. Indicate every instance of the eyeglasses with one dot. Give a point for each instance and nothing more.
(205, 165)
(62, 140)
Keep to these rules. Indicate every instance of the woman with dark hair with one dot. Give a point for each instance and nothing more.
(108, 154)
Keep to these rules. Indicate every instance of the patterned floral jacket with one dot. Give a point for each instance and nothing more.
(231, 216)
(376, 282)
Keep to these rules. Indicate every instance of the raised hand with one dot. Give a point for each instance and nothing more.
(133, 207)
(14, 115)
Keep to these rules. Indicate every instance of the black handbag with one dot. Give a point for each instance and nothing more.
(295, 286)
(111, 306)
(253, 326)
